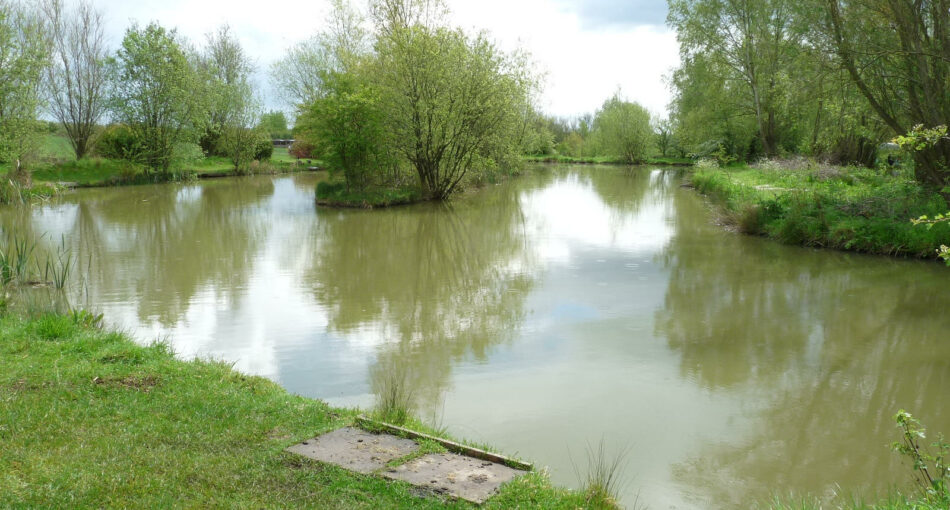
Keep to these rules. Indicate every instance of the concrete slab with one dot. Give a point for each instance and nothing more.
(355, 449)
(463, 477)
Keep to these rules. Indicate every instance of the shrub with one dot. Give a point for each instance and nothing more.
(186, 156)
(119, 142)
(301, 149)
(263, 150)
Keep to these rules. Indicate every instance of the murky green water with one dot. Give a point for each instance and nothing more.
(569, 306)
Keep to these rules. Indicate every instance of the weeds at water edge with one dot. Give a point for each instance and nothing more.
(394, 396)
(604, 477)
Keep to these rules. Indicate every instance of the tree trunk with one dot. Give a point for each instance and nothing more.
(932, 165)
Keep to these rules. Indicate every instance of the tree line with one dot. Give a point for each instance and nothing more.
(164, 98)
(827, 78)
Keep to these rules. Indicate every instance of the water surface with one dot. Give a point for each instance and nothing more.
(570, 306)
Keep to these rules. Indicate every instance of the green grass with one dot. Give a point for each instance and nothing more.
(57, 164)
(334, 194)
(89, 419)
(86, 172)
(56, 148)
(282, 155)
(854, 209)
(605, 160)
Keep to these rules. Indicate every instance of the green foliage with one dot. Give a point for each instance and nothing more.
(119, 141)
(920, 138)
(623, 129)
(844, 208)
(931, 467)
(274, 123)
(828, 78)
(346, 125)
(232, 124)
(424, 99)
(263, 150)
(185, 156)
(154, 93)
(450, 101)
(24, 54)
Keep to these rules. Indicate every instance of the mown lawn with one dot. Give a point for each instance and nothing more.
(89, 419)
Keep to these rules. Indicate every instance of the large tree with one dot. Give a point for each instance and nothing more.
(750, 42)
(24, 54)
(897, 53)
(77, 75)
(155, 93)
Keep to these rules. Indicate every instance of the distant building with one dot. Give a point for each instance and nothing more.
(283, 143)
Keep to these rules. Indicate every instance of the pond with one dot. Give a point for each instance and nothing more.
(565, 308)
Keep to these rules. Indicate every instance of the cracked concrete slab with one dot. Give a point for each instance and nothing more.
(355, 449)
(463, 477)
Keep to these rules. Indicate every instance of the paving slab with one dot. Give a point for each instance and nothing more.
(355, 449)
(463, 477)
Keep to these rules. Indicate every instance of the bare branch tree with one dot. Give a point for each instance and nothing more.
(77, 75)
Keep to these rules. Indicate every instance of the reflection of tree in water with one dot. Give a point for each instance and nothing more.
(829, 345)
(623, 189)
(157, 245)
(436, 282)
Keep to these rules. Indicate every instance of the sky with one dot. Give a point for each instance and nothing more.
(586, 49)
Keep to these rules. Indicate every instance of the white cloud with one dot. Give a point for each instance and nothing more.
(584, 61)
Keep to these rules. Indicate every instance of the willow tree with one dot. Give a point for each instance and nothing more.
(451, 102)
(77, 76)
(299, 75)
(751, 43)
(24, 54)
(897, 52)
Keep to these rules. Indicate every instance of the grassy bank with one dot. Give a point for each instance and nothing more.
(56, 164)
(97, 172)
(606, 160)
(90, 419)
(855, 209)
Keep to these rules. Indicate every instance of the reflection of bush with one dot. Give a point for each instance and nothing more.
(433, 279)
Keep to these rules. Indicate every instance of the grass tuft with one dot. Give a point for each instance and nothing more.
(604, 477)
(394, 395)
